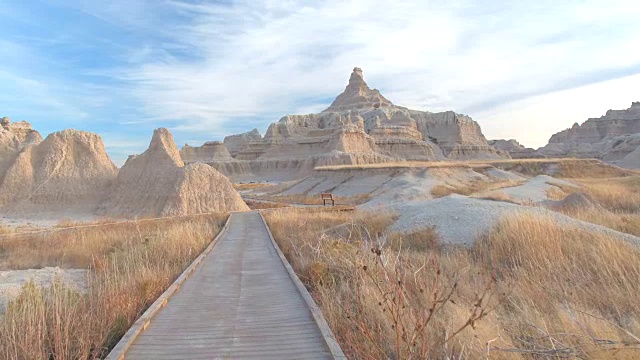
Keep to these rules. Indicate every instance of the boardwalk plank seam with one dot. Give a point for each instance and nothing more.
(321, 322)
(131, 340)
(119, 351)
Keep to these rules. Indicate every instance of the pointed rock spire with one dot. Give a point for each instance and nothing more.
(163, 148)
(357, 95)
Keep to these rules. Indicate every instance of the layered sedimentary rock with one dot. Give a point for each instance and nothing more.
(68, 172)
(632, 159)
(611, 137)
(235, 143)
(357, 95)
(515, 149)
(360, 126)
(209, 152)
(14, 137)
(158, 183)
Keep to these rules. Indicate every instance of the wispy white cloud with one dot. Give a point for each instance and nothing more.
(262, 58)
(206, 69)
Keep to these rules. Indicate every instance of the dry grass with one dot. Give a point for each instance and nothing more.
(130, 264)
(616, 194)
(499, 196)
(6, 230)
(624, 222)
(252, 186)
(475, 187)
(556, 193)
(562, 167)
(260, 205)
(306, 199)
(407, 165)
(617, 203)
(531, 289)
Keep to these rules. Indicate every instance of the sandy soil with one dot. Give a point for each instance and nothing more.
(12, 281)
(533, 190)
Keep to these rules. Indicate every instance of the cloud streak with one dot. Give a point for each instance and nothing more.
(258, 58)
(207, 69)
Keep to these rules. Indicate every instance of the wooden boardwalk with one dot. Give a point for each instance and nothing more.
(240, 302)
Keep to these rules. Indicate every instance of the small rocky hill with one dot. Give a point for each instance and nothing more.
(209, 152)
(614, 137)
(13, 138)
(157, 183)
(68, 172)
(235, 143)
(515, 149)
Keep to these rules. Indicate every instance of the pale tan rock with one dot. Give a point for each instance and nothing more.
(68, 172)
(358, 95)
(209, 152)
(515, 149)
(359, 126)
(611, 137)
(13, 139)
(235, 143)
(157, 183)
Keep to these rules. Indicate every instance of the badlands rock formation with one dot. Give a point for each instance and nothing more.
(209, 152)
(614, 137)
(360, 126)
(67, 172)
(157, 183)
(515, 149)
(235, 143)
(13, 138)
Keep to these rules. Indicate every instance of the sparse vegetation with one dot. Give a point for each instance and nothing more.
(474, 188)
(562, 167)
(499, 196)
(307, 199)
(258, 205)
(253, 186)
(615, 194)
(556, 193)
(616, 202)
(530, 289)
(130, 264)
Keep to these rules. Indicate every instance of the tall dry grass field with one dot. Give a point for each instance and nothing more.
(531, 289)
(616, 200)
(130, 265)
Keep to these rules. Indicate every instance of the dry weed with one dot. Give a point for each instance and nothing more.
(530, 289)
(130, 264)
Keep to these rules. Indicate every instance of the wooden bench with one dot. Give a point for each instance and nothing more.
(326, 197)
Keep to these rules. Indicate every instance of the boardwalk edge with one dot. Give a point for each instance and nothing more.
(321, 322)
(119, 351)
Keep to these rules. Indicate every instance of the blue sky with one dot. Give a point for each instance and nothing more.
(206, 69)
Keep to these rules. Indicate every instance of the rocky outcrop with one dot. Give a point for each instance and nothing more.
(360, 126)
(235, 143)
(632, 159)
(157, 183)
(515, 149)
(68, 172)
(357, 95)
(611, 137)
(14, 137)
(209, 152)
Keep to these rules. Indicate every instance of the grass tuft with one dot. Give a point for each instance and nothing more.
(130, 265)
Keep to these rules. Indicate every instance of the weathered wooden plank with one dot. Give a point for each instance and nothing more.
(241, 301)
